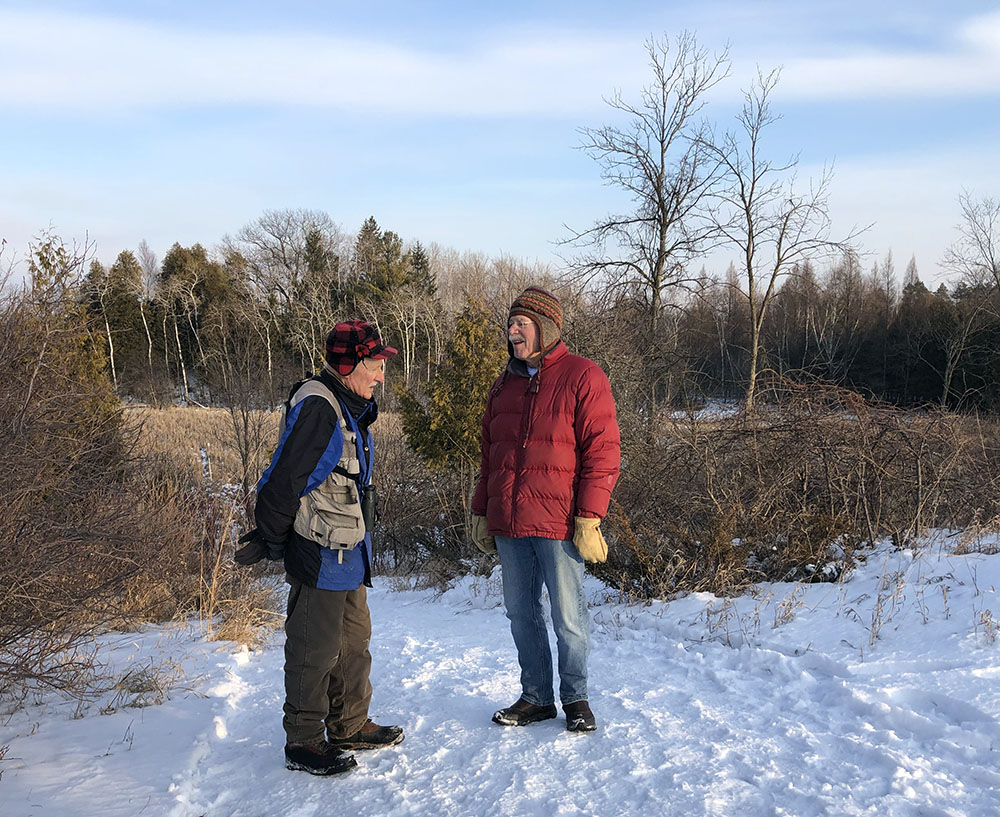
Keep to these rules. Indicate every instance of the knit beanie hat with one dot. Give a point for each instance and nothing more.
(544, 309)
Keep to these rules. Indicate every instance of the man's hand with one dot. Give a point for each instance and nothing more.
(275, 550)
(256, 547)
(481, 535)
(589, 540)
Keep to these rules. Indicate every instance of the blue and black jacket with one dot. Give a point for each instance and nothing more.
(310, 448)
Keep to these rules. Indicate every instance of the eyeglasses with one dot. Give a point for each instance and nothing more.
(520, 323)
(373, 365)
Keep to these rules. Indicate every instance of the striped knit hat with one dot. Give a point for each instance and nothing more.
(544, 309)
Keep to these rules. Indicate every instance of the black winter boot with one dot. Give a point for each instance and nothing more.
(521, 713)
(317, 758)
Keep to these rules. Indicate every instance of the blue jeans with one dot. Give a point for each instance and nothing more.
(526, 564)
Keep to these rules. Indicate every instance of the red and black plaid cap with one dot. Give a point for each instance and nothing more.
(350, 341)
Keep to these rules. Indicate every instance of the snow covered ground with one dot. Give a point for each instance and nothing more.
(876, 696)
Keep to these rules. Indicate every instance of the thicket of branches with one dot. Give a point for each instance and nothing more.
(94, 536)
(794, 492)
(237, 328)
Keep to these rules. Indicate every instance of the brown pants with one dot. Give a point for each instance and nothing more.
(327, 662)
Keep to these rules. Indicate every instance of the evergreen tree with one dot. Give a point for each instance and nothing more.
(444, 429)
(384, 269)
(915, 358)
(320, 258)
(191, 285)
(420, 276)
(123, 313)
(71, 358)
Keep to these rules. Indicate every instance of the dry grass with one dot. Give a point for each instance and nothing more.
(980, 538)
(710, 505)
(197, 444)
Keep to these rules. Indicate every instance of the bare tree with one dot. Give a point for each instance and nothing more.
(233, 368)
(975, 258)
(150, 268)
(178, 296)
(975, 254)
(100, 286)
(278, 256)
(840, 332)
(887, 293)
(763, 215)
(275, 247)
(957, 332)
(150, 275)
(660, 158)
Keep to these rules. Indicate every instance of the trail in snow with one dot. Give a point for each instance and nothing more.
(880, 695)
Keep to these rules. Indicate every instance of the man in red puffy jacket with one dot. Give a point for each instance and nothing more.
(550, 458)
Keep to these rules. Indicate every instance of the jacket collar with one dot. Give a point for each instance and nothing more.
(520, 367)
(363, 411)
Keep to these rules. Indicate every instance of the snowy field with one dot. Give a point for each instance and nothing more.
(876, 696)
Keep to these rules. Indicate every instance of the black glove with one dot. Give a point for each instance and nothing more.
(256, 547)
(275, 550)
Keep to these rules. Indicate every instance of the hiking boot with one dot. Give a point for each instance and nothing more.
(579, 718)
(370, 736)
(522, 713)
(317, 758)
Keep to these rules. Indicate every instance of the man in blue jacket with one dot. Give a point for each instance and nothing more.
(315, 503)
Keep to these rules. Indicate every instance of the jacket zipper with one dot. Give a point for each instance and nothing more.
(530, 393)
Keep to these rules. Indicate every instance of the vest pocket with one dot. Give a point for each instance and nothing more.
(331, 516)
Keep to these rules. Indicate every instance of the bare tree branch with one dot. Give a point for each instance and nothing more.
(660, 160)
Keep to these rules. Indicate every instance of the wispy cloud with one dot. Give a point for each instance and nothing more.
(57, 61)
(189, 130)
(969, 67)
(87, 63)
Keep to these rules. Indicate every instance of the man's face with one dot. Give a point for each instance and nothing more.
(366, 375)
(523, 336)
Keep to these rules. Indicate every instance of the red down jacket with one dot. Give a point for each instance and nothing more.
(551, 449)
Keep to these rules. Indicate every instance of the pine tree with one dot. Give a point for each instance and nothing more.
(320, 258)
(113, 297)
(384, 269)
(420, 276)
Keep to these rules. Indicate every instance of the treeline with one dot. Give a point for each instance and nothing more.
(248, 318)
(241, 322)
(904, 345)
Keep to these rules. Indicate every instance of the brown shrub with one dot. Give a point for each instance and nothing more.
(70, 521)
(792, 491)
(421, 531)
(97, 534)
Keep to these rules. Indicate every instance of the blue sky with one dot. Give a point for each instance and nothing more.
(457, 123)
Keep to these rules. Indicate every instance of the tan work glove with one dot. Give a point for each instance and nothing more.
(481, 535)
(589, 540)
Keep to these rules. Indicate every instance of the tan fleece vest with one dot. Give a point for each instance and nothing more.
(330, 514)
